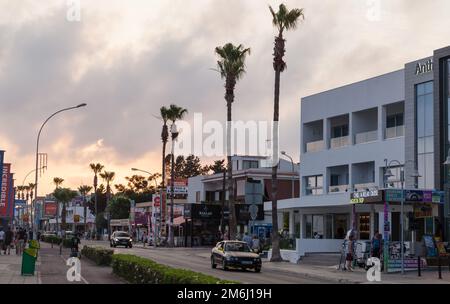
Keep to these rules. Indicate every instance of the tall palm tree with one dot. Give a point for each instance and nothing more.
(108, 177)
(231, 66)
(57, 181)
(164, 112)
(96, 168)
(84, 191)
(175, 113)
(283, 20)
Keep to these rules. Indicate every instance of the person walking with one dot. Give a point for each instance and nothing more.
(2, 240)
(376, 245)
(8, 240)
(350, 251)
(248, 239)
(20, 241)
(256, 246)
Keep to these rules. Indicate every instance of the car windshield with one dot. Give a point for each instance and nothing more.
(122, 234)
(241, 247)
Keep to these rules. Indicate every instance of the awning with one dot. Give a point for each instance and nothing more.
(178, 221)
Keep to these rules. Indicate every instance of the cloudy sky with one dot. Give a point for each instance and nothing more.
(128, 58)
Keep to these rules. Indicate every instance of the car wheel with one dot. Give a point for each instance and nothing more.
(224, 265)
(213, 265)
(258, 269)
(131, 246)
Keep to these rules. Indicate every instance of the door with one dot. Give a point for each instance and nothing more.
(395, 226)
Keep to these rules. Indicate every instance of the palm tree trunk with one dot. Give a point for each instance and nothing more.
(63, 217)
(276, 254)
(85, 213)
(172, 194)
(162, 212)
(232, 229)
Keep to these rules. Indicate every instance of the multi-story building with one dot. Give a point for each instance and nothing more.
(352, 136)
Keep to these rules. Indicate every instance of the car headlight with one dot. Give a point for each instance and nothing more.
(116, 240)
(229, 258)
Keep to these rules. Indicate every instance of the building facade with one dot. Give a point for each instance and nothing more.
(353, 135)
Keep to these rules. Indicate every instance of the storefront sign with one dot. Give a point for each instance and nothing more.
(414, 196)
(424, 67)
(395, 265)
(394, 195)
(5, 190)
(363, 197)
(423, 210)
(204, 211)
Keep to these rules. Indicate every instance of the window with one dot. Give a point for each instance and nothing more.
(314, 226)
(340, 131)
(425, 134)
(395, 120)
(334, 180)
(314, 185)
(197, 197)
(250, 164)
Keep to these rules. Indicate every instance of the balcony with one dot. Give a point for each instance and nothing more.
(315, 146)
(365, 137)
(394, 132)
(338, 189)
(364, 187)
(339, 142)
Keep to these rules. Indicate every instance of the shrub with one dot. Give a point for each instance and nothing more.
(137, 270)
(99, 255)
(51, 239)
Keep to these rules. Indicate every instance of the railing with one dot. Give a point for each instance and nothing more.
(338, 189)
(339, 142)
(366, 137)
(395, 132)
(314, 146)
(363, 187)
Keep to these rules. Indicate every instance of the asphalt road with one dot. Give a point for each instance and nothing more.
(197, 259)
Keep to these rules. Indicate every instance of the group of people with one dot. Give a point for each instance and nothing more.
(10, 239)
(350, 242)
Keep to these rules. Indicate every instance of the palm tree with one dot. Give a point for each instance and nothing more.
(57, 181)
(231, 66)
(96, 168)
(175, 113)
(283, 20)
(31, 187)
(84, 190)
(64, 196)
(108, 177)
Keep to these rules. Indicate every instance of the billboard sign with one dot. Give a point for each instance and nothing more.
(50, 208)
(373, 196)
(5, 190)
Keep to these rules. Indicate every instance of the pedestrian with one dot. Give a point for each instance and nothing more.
(248, 239)
(2, 239)
(25, 238)
(376, 245)
(8, 240)
(20, 241)
(350, 251)
(225, 236)
(256, 246)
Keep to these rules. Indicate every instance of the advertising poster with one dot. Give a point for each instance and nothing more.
(4, 195)
(50, 209)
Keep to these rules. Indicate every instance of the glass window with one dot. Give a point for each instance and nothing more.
(250, 164)
(315, 185)
(318, 226)
(334, 180)
(340, 226)
(394, 120)
(329, 227)
(340, 131)
(308, 226)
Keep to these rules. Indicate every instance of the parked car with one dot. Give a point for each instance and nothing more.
(121, 238)
(235, 254)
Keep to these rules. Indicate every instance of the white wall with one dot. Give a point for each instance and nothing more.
(195, 184)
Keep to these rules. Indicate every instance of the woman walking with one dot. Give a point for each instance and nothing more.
(350, 252)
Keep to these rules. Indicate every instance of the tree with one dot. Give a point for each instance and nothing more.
(231, 66)
(84, 191)
(175, 113)
(180, 165)
(58, 182)
(108, 177)
(193, 167)
(100, 221)
(283, 20)
(119, 208)
(218, 166)
(96, 168)
(64, 196)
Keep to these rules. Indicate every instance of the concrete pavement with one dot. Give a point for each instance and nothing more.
(10, 271)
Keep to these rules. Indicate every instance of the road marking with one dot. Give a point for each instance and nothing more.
(83, 279)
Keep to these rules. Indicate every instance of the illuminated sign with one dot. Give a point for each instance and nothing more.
(373, 196)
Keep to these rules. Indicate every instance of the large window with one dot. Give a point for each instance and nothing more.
(250, 164)
(314, 185)
(395, 120)
(326, 226)
(340, 131)
(425, 134)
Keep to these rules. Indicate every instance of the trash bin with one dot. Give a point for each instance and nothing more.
(29, 258)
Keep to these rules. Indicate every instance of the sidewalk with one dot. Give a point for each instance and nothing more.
(10, 268)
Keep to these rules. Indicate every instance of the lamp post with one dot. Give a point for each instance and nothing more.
(387, 175)
(37, 152)
(293, 171)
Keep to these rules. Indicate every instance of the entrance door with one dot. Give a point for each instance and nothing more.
(364, 226)
(395, 226)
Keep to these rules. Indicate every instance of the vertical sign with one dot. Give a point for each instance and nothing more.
(4, 194)
(11, 196)
(2, 153)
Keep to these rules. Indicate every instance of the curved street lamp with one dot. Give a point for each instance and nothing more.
(37, 156)
(293, 171)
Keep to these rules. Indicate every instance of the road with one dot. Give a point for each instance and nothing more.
(197, 259)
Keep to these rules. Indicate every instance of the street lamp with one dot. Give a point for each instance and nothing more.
(37, 153)
(293, 171)
(174, 132)
(387, 175)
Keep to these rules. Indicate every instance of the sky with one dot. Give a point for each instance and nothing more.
(126, 59)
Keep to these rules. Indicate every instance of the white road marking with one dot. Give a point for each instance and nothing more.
(83, 279)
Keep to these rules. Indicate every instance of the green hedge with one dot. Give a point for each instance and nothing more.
(137, 270)
(99, 255)
(51, 239)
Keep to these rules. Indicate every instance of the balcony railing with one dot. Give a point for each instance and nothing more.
(338, 189)
(314, 146)
(394, 132)
(338, 142)
(366, 137)
(364, 187)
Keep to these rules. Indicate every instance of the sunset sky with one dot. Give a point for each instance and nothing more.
(126, 59)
